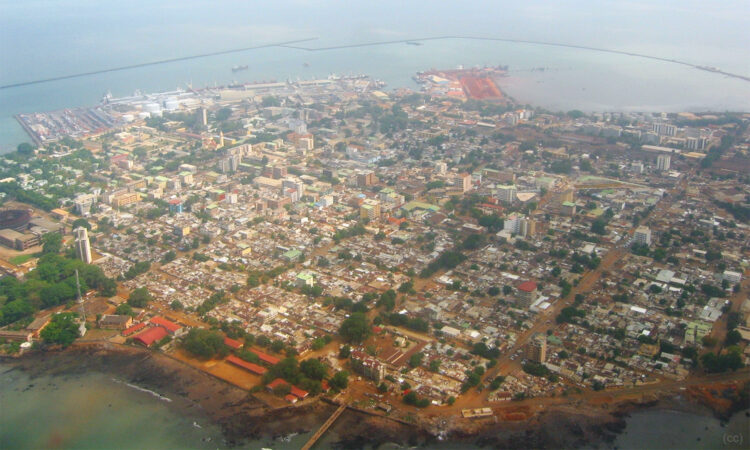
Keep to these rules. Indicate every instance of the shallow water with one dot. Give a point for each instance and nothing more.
(93, 411)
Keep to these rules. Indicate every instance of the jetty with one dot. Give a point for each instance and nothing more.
(323, 428)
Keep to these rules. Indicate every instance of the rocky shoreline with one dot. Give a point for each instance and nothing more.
(243, 418)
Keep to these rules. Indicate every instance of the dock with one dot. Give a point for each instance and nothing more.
(323, 428)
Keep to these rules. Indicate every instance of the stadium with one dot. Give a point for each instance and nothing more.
(15, 219)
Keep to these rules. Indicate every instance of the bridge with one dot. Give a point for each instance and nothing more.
(323, 428)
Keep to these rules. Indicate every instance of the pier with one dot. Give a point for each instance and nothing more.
(323, 428)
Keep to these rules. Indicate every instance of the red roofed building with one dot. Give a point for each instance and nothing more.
(232, 343)
(293, 390)
(488, 208)
(254, 368)
(526, 293)
(297, 392)
(276, 383)
(153, 334)
(168, 325)
(290, 398)
(134, 329)
(268, 359)
(396, 220)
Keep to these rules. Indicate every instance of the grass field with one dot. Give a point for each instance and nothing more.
(20, 259)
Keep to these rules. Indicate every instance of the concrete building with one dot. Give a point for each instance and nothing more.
(117, 322)
(732, 277)
(279, 172)
(370, 209)
(125, 199)
(83, 246)
(695, 143)
(665, 129)
(527, 293)
(19, 241)
(506, 193)
(466, 182)
(568, 209)
(441, 168)
(519, 225)
(203, 114)
(186, 178)
(366, 179)
(536, 350)
(83, 204)
(175, 206)
(663, 162)
(642, 236)
(367, 366)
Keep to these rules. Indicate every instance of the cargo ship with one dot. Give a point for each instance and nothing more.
(238, 68)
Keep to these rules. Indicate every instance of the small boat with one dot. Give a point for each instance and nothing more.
(413, 43)
(238, 68)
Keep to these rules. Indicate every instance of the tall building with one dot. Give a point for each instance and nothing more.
(665, 129)
(83, 203)
(537, 348)
(83, 246)
(695, 143)
(642, 236)
(366, 179)
(527, 293)
(230, 164)
(370, 209)
(441, 167)
(663, 162)
(506, 193)
(279, 172)
(466, 181)
(203, 115)
(519, 225)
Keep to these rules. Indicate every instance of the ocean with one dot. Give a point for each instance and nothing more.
(93, 411)
(97, 411)
(41, 39)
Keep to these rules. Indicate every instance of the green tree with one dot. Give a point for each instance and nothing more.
(205, 343)
(599, 226)
(733, 337)
(124, 309)
(340, 380)
(313, 369)
(139, 298)
(52, 243)
(25, 149)
(108, 288)
(62, 329)
(169, 257)
(345, 351)
(80, 223)
(387, 300)
(356, 328)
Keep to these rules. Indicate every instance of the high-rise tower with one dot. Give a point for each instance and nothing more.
(83, 246)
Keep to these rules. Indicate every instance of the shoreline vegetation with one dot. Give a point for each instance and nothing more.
(242, 417)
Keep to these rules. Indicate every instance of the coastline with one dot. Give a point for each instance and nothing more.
(242, 418)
